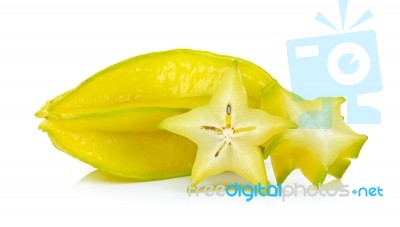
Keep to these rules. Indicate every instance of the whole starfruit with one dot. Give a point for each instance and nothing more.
(109, 121)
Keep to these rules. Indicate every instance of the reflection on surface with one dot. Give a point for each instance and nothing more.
(98, 176)
(98, 184)
(335, 183)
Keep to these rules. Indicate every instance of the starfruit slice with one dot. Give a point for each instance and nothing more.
(323, 143)
(228, 132)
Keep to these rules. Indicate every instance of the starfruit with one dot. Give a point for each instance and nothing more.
(109, 121)
(322, 144)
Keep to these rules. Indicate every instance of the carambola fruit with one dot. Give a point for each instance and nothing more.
(109, 121)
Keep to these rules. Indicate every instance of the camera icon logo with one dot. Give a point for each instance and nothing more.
(344, 64)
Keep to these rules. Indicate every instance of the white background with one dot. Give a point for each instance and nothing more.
(47, 47)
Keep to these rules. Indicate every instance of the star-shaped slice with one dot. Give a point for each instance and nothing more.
(322, 144)
(228, 132)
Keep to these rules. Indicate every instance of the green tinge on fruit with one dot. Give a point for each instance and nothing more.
(124, 120)
(278, 101)
(340, 165)
(138, 155)
(310, 166)
(178, 78)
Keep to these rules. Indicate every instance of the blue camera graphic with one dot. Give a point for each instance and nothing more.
(344, 64)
